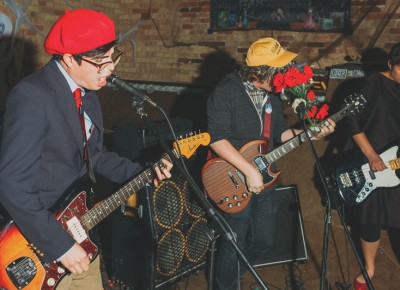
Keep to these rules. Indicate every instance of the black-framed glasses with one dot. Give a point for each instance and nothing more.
(115, 58)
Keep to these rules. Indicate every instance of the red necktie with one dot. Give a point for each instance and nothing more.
(78, 101)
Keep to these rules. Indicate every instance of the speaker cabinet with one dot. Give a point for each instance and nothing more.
(289, 245)
(166, 243)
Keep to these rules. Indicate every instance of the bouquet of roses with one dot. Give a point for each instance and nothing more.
(298, 84)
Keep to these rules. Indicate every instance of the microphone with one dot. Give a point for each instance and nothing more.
(299, 106)
(114, 81)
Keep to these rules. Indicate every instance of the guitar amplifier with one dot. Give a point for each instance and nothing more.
(290, 243)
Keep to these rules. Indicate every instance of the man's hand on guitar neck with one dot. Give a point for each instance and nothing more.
(325, 130)
(162, 171)
(76, 260)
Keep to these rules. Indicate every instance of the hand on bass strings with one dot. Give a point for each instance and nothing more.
(375, 162)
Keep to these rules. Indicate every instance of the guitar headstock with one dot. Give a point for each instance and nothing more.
(187, 146)
(354, 104)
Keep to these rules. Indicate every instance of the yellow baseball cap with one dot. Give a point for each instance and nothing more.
(268, 51)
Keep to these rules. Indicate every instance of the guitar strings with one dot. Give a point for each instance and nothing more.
(365, 172)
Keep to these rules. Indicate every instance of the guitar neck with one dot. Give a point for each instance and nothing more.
(292, 144)
(106, 207)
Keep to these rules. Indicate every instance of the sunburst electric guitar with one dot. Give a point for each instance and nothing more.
(21, 263)
(226, 185)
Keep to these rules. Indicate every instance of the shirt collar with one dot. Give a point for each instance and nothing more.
(72, 84)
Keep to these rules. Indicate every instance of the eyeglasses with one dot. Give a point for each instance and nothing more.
(115, 58)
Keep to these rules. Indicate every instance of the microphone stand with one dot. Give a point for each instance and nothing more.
(329, 191)
(209, 208)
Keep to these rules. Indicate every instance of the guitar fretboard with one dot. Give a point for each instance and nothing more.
(292, 144)
(106, 207)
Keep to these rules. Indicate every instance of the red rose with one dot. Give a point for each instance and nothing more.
(278, 82)
(311, 95)
(302, 79)
(308, 72)
(291, 77)
(323, 112)
(313, 110)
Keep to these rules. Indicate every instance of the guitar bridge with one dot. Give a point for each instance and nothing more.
(345, 180)
(21, 271)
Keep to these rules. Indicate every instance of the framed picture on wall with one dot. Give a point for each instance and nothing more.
(292, 15)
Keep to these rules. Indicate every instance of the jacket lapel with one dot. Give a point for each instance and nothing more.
(64, 101)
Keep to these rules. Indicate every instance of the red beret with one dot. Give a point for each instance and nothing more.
(79, 31)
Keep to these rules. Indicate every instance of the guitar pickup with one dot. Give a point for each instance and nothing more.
(372, 174)
(259, 161)
(76, 230)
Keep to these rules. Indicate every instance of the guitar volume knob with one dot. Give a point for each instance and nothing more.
(60, 270)
(51, 282)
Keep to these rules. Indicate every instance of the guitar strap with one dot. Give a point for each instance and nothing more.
(266, 112)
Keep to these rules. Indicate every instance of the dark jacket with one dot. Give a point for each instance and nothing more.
(233, 116)
(41, 155)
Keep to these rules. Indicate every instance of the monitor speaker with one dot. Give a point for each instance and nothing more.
(163, 245)
(290, 244)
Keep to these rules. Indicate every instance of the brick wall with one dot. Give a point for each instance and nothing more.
(168, 41)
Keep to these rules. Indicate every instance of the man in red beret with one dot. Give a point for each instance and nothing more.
(52, 136)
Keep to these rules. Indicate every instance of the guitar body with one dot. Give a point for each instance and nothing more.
(226, 186)
(356, 181)
(21, 265)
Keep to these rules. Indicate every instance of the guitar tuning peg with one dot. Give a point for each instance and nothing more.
(190, 134)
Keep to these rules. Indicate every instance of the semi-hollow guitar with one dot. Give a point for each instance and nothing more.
(226, 185)
(21, 263)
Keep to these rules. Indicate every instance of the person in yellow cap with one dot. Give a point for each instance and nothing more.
(243, 108)
(53, 136)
